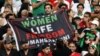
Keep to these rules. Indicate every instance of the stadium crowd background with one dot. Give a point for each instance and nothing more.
(84, 15)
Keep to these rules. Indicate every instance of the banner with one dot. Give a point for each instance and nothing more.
(42, 29)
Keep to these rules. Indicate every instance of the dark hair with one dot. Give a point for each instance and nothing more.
(23, 42)
(77, 18)
(45, 45)
(88, 13)
(80, 5)
(7, 16)
(71, 41)
(62, 4)
(47, 5)
(76, 45)
(97, 5)
(23, 6)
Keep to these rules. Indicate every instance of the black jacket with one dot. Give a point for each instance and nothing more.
(31, 52)
(12, 53)
(62, 52)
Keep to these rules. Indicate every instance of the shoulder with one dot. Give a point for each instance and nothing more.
(40, 54)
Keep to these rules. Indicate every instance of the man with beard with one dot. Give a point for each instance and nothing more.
(8, 49)
(96, 12)
(25, 50)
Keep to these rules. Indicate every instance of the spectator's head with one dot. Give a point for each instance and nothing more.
(97, 9)
(24, 13)
(62, 6)
(94, 2)
(77, 20)
(92, 49)
(87, 16)
(24, 45)
(48, 8)
(7, 11)
(80, 8)
(8, 45)
(46, 49)
(70, 13)
(73, 46)
(10, 16)
(94, 24)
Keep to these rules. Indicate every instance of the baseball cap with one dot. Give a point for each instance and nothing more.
(96, 22)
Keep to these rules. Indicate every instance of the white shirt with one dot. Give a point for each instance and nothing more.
(15, 10)
(87, 7)
(17, 4)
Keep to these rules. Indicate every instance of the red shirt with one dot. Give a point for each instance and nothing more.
(54, 2)
(84, 25)
(75, 54)
(42, 54)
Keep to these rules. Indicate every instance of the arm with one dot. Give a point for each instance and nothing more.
(34, 5)
(82, 35)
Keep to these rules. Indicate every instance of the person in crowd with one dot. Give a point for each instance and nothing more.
(8, 36)
(3, 27)
(10, 16)
(48, 9)
(89, 36)
(96, 12)
(84, 2)
(61, 49)
(46, 51)
(70, 15)
(25, 14)
(92, 51)
(9, 3)
(63, 6)
(93, 4)
(80, 12)
(7, 10)
(85, 21)
(73, 47)
(25, 50)
(25, 6)
(76, 24)
(61, 3)
(8, 49)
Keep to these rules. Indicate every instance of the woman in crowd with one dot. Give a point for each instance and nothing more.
(92, 51)
(74, 48)
(46, 51)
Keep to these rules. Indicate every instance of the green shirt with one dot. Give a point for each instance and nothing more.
(92, 9)
(38, 10)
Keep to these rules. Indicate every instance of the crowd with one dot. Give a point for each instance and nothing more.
(84, 16)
